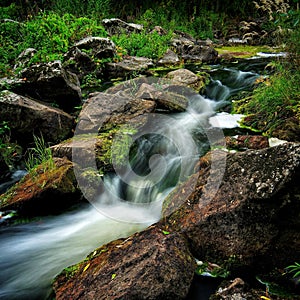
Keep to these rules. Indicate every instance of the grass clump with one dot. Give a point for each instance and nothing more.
(275, 106)
(40, 154)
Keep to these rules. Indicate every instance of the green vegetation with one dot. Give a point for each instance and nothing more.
(49, 33)
(9, 151)
(39, 155)
(295, 269)
(274, 104)
(151, 45)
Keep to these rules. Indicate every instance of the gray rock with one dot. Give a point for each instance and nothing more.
(98, 47)
(50, 82)
(27, 117)
(24, 58)
(128, 67)
(170, 58)
(188, 78)
(116, 26)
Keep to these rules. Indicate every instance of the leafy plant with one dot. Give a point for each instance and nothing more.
(150, 45)
(295, 269)
(39, 155)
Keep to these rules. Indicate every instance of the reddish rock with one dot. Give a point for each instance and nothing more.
(243, 142)
(152, 264)
(48, 189)
(252, 216)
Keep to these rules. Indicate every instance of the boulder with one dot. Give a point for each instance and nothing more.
(50, 188)
(252, 215)
(170, 58)
(188, 78)
(172, 102)
(51, 83)
(79, 63)
(97, 46)
(244, 142)
(116, 26)
(24, 58)
(27, 117)
(192, 51)
(128, 67)
(104, 111)
(152, 264)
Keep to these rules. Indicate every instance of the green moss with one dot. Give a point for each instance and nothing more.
(244, 51)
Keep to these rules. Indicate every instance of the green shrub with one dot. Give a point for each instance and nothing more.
(150, 45)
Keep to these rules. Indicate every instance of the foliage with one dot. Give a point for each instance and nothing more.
(273, 102)
(39, 155)
(150, 45)
(49, 33)
(295, 269)
(8, 151)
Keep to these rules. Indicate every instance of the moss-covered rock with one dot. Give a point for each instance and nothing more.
(45, 190)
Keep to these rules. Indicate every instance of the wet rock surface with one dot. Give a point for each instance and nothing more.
(248, 219)
(148, 265)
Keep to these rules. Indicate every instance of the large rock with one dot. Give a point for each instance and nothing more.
(170, 58)
(245, 212)
(50, 82)
(79, 63)
(252, 217)
(103, 110)
(148, 265)
(188, 78)
(98, 47)
(116, 26)
(27, 117)
(192, 51)
(128, 67)
(49, 189)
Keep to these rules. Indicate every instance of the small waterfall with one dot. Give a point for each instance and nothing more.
(32, 254)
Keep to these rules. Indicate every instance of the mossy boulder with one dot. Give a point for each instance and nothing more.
(50, 188)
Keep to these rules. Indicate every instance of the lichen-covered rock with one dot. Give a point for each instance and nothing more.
(188, 78)
(254, 213)
(98, 47)
(24, 57)
(128, 67)
(164, 99)
(170, 58)
(50, 82)
(48, 189)
(116, 26)
(152, 264)
(79, 63)
(103, 110)
(27, 117)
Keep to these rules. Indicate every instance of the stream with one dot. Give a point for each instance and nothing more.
(31, 254)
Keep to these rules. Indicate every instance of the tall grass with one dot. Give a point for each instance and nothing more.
(40, 154)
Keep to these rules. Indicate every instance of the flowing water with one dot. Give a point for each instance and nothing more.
(32, 254)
